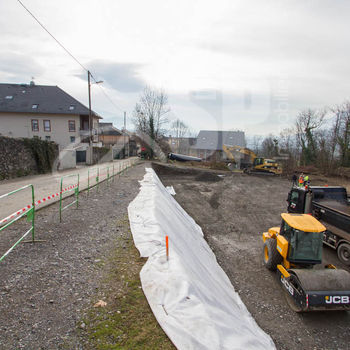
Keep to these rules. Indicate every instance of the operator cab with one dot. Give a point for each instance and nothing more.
(258, 161)
(304, 235)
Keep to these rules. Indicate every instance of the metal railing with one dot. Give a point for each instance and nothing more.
(29, 211)
(97, 182)
(70, 188)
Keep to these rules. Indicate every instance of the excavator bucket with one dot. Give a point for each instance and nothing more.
(312, 290)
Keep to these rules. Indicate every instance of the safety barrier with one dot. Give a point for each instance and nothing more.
(108, 174)
(74, 188)
(29, 210)
(96, 179)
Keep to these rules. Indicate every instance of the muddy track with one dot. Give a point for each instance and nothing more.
(233, 212)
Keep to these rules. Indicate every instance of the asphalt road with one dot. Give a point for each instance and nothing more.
(48, 184)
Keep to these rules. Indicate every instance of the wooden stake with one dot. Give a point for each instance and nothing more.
(167, 247)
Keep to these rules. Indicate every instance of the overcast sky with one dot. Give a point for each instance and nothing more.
(247, 65)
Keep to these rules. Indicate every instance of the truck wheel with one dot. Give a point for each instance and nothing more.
(343, 252)
(271, 256)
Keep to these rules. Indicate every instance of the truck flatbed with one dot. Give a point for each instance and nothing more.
(340, 207)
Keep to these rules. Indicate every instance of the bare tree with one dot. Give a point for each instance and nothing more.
(180, 130)
(270, 146)
(256, 144)
(288, 149)
(307, 123)
(149, 116)
(341, 132)
(287, 142)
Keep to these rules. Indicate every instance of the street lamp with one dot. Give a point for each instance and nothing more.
(90, 114)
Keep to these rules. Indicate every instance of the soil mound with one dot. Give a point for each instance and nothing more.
(208, 177)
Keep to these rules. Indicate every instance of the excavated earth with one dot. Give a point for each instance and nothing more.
(233, 210)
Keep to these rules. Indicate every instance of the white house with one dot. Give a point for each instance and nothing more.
(46, 112)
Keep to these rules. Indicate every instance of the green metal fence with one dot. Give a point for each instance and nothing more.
(97, 179)
(110, 172)
(29, 212)
(70, 188)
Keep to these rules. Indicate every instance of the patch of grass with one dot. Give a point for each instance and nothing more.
(127, 321)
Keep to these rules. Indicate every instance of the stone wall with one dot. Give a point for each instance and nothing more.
(102, 155)
(19, 157)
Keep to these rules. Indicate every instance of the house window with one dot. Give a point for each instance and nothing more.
(35, 125)
(47, 125)
(71, 125)
(72, 139)
(35, 106)
(48, 138)
(71, 107)
(9, 97)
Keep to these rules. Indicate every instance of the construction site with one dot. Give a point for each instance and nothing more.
(234, 209)
(78, 286)
(174, 175)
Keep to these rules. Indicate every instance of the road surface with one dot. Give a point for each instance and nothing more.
(48, 184)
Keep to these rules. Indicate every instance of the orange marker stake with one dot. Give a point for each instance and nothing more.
(167, 247)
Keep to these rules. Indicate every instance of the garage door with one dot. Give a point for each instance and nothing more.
(81, 156)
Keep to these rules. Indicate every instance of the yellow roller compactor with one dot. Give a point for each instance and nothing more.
(293, 249)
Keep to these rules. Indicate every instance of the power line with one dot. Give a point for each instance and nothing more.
(42, 26)
(67, 51)
(110, 100)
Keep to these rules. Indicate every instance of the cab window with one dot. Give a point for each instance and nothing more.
(305, 246)
(294, 196)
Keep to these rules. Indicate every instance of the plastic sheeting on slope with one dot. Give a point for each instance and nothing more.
(190, 295)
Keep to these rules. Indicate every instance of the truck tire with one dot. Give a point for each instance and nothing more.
(343, 252)
(271, 256)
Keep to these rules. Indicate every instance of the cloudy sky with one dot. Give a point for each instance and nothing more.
(249, 65)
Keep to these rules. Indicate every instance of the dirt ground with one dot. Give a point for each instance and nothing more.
(233, 211)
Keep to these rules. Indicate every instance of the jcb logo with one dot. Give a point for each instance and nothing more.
(337, 299)
(287, 286)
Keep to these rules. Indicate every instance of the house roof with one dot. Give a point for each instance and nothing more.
(214, 139)
(187, 140)
(108, 129)
(30, 98)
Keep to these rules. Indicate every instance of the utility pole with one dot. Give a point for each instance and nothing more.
(90, 120)
(177, 134)
(90, 115)
(124, 134)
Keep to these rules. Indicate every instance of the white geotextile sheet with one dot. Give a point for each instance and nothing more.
(190, 295)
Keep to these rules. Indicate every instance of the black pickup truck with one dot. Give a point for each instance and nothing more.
(330, 205)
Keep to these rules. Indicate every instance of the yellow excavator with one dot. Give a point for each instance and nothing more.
(294, 249)
(251, 163)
